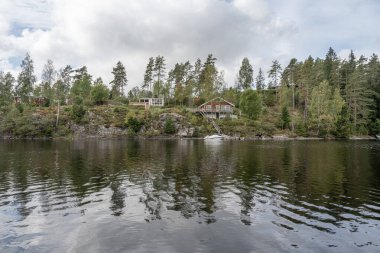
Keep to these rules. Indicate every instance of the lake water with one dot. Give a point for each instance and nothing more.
(189, 196)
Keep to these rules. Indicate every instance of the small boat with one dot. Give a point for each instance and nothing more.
(214, 137)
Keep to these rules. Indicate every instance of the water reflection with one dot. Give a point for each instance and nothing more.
(329, 191)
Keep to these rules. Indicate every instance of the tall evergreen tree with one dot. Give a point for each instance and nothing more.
(306, 84)
(358, 97)
(119, 80)
(373, 84)
(274, 75)
(245, 75)
(346, 69)
(331, 68)
(26, 79)
(208, 78)
(148, 76)
(260, 80)
(159, 72)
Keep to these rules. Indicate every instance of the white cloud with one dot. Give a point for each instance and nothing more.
(99, 33)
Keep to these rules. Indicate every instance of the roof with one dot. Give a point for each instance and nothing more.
(220, 98)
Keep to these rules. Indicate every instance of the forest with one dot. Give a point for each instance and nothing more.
(328, 97)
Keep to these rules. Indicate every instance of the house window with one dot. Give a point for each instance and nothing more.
(217, 108)
(208, 107)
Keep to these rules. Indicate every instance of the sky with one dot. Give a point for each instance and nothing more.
(99, 33)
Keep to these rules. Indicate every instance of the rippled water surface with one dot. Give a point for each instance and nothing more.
(189, 196)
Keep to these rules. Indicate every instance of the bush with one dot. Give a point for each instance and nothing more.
(301, 129)
(77, 112)
(169, 127)
(134, 124)
(20, 108)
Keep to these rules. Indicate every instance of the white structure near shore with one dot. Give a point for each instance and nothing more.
(148, 102)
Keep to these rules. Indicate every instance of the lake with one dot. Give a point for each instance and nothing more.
(189, 196)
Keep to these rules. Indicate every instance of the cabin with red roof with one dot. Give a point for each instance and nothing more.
(217, 108)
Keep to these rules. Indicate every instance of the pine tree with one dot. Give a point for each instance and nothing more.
(260, 80)
(119, 81)
(245, 75)
(373, 84)
(285, 118)
(358, 97)
(331, 67)
(208, 78)
(148, 76)
(274, 74)
(306, 83)
(159, 73)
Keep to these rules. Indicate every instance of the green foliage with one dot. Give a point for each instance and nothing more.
(6, 84)
(301, 129)
(26, 78)
(342, 124)
(29, 124)
(77, 110)
(20, 108)
(99, 94)
(245, 75)
(134, 124)
(169, 127)
(325, 107)
(251, 104)
(148, 76)
(82, 84)
(119, 81)
(274, 74)
(285, 118)
(159, 73)
(260, 80)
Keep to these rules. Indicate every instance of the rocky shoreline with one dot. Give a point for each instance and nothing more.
(102, 132)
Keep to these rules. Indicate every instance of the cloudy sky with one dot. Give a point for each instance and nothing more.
(98, 33)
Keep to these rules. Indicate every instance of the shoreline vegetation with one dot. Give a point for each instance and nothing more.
(123, 121)
(329, 98)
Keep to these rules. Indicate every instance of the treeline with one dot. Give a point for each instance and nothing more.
(322, 97)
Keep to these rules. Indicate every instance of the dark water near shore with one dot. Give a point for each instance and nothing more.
(189, 196)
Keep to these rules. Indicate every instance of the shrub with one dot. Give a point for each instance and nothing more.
(169, 127)
(134, 124)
